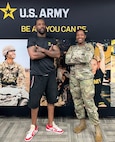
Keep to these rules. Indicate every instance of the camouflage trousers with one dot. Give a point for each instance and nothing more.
(83, 92)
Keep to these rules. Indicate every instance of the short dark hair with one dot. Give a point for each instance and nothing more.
(81, 30)
(39, 19)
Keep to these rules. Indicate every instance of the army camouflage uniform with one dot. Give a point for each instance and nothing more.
(81, 81)
(12, 85)
(12, 75)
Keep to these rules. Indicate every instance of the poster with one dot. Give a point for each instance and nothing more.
(14, 72)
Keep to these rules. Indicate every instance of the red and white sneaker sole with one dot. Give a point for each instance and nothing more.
(29, 139)
(52, 130)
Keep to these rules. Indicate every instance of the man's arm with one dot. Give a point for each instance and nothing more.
(53, 51)
(34, 53)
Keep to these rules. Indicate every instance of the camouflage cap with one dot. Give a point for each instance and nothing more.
(7, 49)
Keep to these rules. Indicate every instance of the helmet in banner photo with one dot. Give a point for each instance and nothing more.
(7, 49)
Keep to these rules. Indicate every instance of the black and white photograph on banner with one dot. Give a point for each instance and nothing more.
(14, 72)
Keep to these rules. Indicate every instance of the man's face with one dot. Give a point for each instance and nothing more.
(80, 37)
(41, 26)
(11, 54)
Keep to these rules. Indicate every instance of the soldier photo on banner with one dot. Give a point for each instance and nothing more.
(113, 73)
(102, 78)
(13, 76)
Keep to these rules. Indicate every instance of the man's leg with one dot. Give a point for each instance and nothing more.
(33, 127)
(35, 94)
(34, 114)
(51, 95)
(51, 126)
(50, 114)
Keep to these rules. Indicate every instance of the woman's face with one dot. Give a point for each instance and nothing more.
(80, 37)
(11, 54)
(94, 65)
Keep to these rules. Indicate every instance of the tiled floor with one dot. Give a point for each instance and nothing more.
(13, 129)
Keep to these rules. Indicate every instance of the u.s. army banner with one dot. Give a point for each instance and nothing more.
(63, 19)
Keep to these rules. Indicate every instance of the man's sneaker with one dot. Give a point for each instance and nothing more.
(54, 128)
(31, 133)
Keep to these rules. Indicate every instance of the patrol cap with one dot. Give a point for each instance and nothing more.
(7, 49)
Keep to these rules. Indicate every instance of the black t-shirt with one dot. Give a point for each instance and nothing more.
(44, 65)
(98, 78)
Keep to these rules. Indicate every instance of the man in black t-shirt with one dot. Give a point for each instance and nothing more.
(42, 51)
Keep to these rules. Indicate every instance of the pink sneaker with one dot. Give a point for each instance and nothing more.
(31, 133)
(54, 128)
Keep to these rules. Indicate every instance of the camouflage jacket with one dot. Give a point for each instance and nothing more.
(79, 58)
(12, 74)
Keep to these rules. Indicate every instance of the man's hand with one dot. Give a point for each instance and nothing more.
(40, 49)
(53, 51)
(36, 52)
(51, 48)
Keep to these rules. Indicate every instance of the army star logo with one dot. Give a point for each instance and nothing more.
(8, 11)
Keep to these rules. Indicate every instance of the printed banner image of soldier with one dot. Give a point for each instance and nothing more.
(101, 67)
(63, 73)
(113, 73)
(13, 91)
